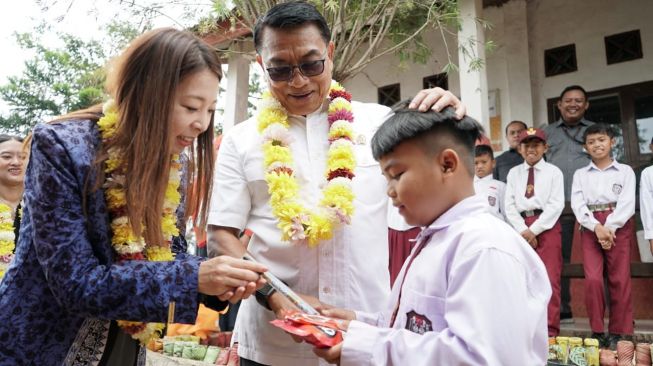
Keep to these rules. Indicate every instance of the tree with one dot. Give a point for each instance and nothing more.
(58, 80)
(364, 30)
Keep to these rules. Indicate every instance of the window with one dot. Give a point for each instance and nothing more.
(560, 60)
(389, 95)
(439, 80)
(623, 47)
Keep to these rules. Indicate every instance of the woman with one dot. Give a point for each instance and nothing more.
(12, 175)
(94, 263)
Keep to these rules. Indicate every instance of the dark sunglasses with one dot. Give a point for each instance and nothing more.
(285, 73)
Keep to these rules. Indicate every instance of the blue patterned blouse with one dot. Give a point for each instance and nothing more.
(63, 286)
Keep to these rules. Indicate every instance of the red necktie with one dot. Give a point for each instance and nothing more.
(530, 183)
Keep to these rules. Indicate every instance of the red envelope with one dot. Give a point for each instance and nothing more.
(318, 330)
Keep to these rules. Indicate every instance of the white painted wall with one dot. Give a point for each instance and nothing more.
(554, 23)
(522, 30)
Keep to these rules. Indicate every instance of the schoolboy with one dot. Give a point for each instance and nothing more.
(603, 200)
(646, 202)
(534, 202)
(490, 189)
(471, 292)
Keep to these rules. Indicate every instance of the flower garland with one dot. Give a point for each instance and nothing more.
(7, 238)
(298, 223)
(125, 243)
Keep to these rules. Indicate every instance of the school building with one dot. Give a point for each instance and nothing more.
(606, 46)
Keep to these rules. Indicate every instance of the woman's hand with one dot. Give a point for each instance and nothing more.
(230, 278)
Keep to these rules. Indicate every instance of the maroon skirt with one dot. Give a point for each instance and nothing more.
(399, 247)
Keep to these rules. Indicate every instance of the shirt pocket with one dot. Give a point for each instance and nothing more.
(255, 179)
(423, 312)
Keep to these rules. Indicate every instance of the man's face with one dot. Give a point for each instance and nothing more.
(301, 94)
(572, 106)
(512, 134)
(483, 165)
(532, 150)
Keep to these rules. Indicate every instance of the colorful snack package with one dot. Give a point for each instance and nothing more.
(212, 354)
(234, 360)
(326, 333)
(223, 357)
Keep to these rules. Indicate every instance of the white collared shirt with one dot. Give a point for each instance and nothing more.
(646, 201)
(592, 186)
(549, 196)
(349, 271)
(477, 291)
(493, 192)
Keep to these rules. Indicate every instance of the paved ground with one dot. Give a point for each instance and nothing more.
(581, 328)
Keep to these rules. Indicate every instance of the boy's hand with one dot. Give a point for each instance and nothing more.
(530, 237)
(344, 314)
(330, 355)
(280, 305)
(604, 236)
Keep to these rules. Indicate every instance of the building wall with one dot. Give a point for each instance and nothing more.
(522, 30)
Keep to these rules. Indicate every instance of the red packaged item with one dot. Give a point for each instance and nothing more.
(318, 330)
(234, 360)
(223, 357)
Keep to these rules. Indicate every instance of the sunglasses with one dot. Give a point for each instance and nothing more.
(285, 73)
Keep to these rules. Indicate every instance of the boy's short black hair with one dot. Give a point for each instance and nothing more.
(425, 129)
(598, 128)
(573, 87)
(481, 150)
(291, 14)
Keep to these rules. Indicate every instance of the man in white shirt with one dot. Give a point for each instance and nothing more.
(646, 202)
(349, 269)
(491, 190)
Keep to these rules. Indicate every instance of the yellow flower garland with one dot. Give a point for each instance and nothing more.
(125, 243)
(7, 238)
(299, 224)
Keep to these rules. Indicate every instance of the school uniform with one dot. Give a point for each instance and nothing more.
(540, 213)
(646, 202)
(606, 196)
(493, 192)
(471, 293)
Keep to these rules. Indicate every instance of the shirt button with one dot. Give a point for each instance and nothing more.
(326, 290)
(326, 253)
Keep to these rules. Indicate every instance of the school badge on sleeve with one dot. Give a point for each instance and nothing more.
(418, 323)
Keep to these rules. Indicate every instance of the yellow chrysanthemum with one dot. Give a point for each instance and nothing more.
(336, 86)
(339, 196)
(273, 154)
(340, 132)
(270, 116)
(6, 247)
(320, 227)
(159, 254)
(339, 104)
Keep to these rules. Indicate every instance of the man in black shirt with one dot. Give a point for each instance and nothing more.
(512, 157)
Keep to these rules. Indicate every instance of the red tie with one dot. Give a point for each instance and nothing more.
(530, 183)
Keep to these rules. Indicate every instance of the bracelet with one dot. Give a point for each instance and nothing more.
(263, 300)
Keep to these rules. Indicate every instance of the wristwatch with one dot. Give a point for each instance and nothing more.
(263, 294)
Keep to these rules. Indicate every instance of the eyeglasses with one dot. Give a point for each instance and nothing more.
(285, 73)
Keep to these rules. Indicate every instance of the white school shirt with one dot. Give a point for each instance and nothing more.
(591, 186)
(493, 192)
(646, 201)
(348, 271)
(477, 293)
(549, 196)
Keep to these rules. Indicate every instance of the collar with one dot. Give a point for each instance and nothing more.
(537, 166)
(486, 178)
(613, 165)
(582, 121)
(468, 207)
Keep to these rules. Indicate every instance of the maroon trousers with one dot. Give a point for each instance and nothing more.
(399, 248)
(617, 266)
(549, 248)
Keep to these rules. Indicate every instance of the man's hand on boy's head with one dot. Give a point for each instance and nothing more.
(330, 355)
(437, 99)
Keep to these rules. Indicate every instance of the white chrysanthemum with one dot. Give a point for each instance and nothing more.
(122, 220)
(5, 216)
(341, 143)
(340, 181)
(7, 236)
(277, 132)
(130, 247)
(270, 102)
(109, 106)
(175, 175)
(341, 123)
(340, 100)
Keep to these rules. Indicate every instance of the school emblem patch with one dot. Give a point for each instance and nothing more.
(616, 188)
(418, 323)
(492, 200)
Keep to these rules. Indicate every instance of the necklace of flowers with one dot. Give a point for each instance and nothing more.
(126, 245)
(299, 224)
(7, 237)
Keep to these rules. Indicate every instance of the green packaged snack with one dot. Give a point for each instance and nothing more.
(198, 352)
(187, 351)
(168, 347)
(211, 355)
(178, 348)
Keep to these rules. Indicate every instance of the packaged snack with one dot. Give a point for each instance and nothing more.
(212, 354)
(168, 346)
(234, 360)
(592, 351)
(563, 355)
(554, 349)
(576, 352)
(319, 331)
(223, 357)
